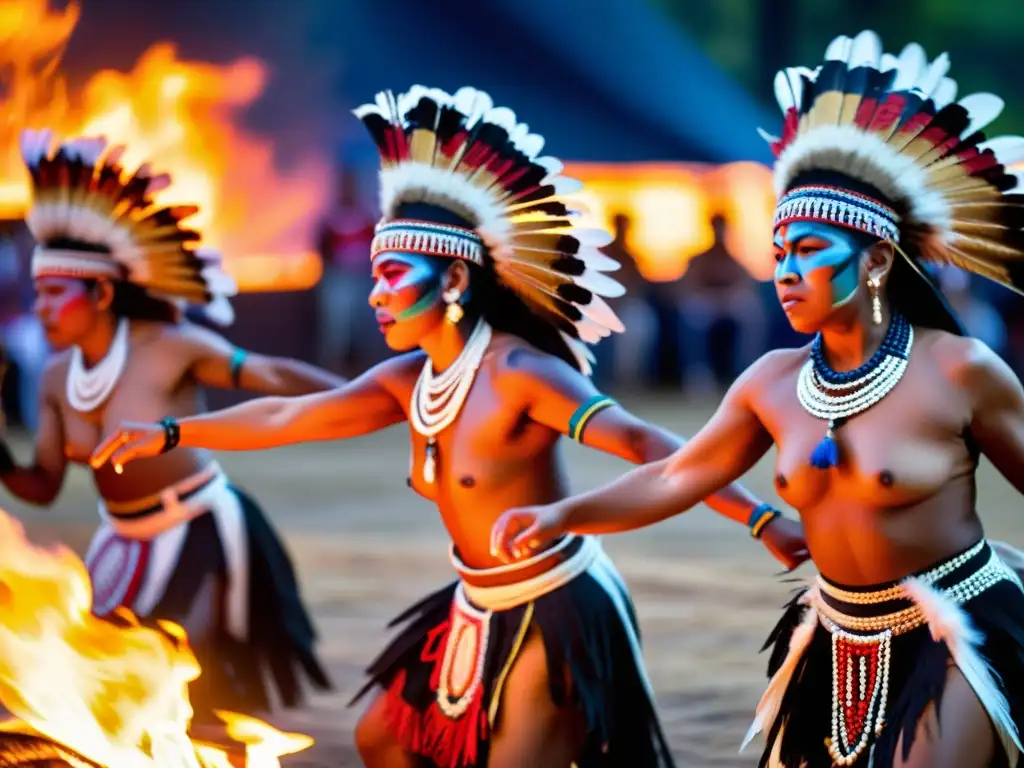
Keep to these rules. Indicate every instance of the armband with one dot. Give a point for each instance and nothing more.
(582, 415)
(761, 515)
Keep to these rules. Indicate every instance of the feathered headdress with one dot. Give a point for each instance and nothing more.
(878, 143)
(91, 219)
(462, 154)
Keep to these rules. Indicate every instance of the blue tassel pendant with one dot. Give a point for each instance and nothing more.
(826, 454)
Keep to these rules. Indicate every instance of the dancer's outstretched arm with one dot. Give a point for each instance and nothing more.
(728, 445)
(366, 404)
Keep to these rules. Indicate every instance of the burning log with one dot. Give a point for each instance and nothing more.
(23, 750)
(20, 747)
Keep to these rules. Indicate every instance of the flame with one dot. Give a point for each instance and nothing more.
(185, 117)
(117, 696)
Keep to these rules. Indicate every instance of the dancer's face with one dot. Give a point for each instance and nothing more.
(67, 308)
(817, 270)
(406, 297)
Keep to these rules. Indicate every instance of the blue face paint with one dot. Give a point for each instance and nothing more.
(839, 255)
(416, 275)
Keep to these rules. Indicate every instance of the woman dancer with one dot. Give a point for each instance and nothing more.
(477, 264)
(915, 629)
(177, 541)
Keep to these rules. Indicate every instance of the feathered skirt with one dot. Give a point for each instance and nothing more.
(443, 674)
(853, 669)
(204, 540)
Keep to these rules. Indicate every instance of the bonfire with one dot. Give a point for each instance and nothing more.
(183, 116)
(103, 693)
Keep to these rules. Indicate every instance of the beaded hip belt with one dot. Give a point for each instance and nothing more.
(863, 623)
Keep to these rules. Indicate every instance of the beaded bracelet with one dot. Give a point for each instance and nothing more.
(759, 518)
(172, 433)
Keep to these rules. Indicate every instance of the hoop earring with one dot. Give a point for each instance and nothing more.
(453, 312)
(874, 286)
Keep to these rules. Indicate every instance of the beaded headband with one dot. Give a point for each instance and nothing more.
(835, 205)
(56, 262)
(429, 239)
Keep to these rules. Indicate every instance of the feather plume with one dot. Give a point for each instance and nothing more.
(91, 218)
(951, 625)
(892, 122)
(463, 153)
(771, 701)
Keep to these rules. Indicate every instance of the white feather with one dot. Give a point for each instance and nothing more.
(768, 708)
(593, 237)
(600, 283)
(503, 117)
(838, 49)
(597, 309)
(584, 357)
(950, 624)
(219, 282)
(945, 93)
(1009, 150)
(220, 312)
(983, 108)
(934, 76)
(767, 136)
(531, 145)
(784, 93)
(595, 259)
(912, 65)
(867, 50)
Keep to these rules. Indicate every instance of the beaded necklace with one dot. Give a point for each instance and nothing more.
(836, 396)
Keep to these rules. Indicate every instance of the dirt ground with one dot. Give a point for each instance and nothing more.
(366, 547)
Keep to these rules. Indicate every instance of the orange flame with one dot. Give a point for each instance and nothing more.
(116, 696)
(184, 117)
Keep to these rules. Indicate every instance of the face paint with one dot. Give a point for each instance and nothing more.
(71, 304)
(414, 274)
(843, 246)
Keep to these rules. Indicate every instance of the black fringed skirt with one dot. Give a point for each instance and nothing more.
(261, 644)
(443, 674)
(853, 669)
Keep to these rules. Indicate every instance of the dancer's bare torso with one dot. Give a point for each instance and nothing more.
(496, 455)
(903, 496)
(158, 381)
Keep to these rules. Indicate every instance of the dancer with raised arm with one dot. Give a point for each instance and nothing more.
(113, 271)
(908, 650)
(479, 270)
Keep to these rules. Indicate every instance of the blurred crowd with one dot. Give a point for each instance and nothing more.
(696, 333)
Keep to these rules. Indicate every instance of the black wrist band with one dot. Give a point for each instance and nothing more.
(172, 434)
(7, 464)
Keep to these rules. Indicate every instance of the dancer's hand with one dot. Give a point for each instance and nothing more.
(784, 538)
(521, 532)
(132, 440)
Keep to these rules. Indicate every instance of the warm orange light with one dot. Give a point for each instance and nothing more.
(185, 117)
(671, 206)
(115, 695)
(743, 194)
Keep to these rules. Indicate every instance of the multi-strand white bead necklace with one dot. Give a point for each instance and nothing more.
(836, 396)
(437, 400)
